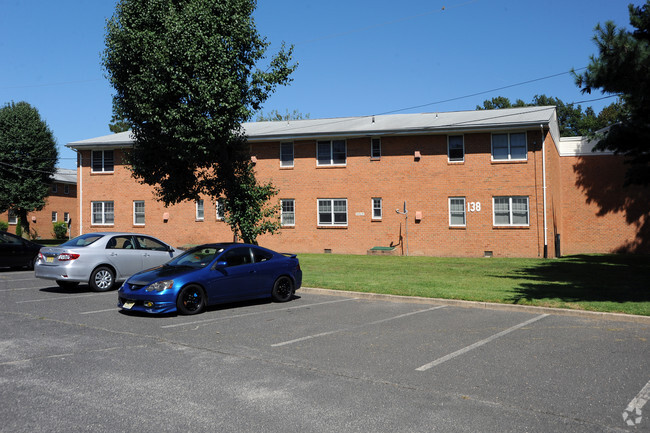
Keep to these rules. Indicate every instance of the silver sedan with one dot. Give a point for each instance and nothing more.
(101, 259)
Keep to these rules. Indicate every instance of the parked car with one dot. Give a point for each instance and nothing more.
(101, 259)
(212, 274)
(16, 252)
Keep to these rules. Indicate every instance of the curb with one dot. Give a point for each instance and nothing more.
(485, 305)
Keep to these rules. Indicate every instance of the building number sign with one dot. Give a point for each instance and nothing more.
(474, 206)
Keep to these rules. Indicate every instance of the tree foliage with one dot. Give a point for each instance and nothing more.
(276, 116)
(623, 67)
(572, 119)
(185, 76)
(28, 157)
(118, 124)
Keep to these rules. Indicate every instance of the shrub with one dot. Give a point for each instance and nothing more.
(60, 230)
(4, 226)
(19, 228)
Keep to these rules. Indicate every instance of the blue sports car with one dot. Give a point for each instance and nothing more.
(212, 274)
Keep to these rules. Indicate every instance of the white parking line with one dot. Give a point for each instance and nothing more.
(24, 288)
(478, 344)
(309, 337)
(100, 311)
(632, 413)
(256, 313)
(64, 297)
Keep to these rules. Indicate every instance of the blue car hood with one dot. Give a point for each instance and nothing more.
(160, 273)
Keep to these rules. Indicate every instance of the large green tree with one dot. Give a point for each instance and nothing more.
(28, 157)
(187, 74)
(623, 67)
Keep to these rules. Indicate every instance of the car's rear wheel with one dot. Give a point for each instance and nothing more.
(191, 300)
(102, 279)
(67, 284)
(282, 289)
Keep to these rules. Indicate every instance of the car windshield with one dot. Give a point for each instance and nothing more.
(83, 240)
(197, 257)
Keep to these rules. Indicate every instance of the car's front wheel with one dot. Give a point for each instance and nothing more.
(102, 279)
(191, 300)
(282, 289)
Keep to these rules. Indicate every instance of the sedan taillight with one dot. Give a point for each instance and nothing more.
(65, 257)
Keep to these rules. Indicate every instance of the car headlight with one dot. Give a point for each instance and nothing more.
(159, 286)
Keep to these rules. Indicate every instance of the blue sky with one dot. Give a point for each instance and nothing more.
(355, 58)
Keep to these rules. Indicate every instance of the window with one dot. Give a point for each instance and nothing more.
(286, 154)
(147, 243)
(103, 212)
(54, 216)
(375, 148)
(457, 211)
(219, 209)
(120, 243)
(199, 210)
(332, 212)
(13, 218)
(509, 146)
(511, 211)
(288, 216)
(102, 161)
(455, 148)
(376, 208)
(55, 188)
(66, 217)
(66, 189)
(237, 257)
(138, 212)
(332, 152)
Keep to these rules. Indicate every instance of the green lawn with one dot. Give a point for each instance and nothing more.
(606, 283)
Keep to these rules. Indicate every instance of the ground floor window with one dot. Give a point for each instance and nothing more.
(219, 209)
(376, 208)
(332, 212)
(13, 217)
(200, 213)
(66, 217)
(103, 212)
(457, 211)
(288, 216)
(138, 212)
(511, 211)
(55, 216)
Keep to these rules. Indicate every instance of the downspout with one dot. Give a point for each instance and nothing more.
(544, 191)
(80, 189)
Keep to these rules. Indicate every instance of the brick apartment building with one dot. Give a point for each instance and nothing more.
(477, 183)
(60, 206)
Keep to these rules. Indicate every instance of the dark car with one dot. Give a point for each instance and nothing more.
(16, 252)
(212, 274)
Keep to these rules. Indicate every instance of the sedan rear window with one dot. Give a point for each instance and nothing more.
(82, 241)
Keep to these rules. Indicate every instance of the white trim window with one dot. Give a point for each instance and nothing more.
(12, 216)
(457, 212)
(286, 154)
(200, 213)
(219, 209)
(66, 189)
(138, 212)
(55, 216)
(375, 148)
(376, 208)
(333, 212)
(102, 161)
(288, 215)
(511, 211)
(509, 147)
(455, 148)
(103, 212)
(66, 217)
(331, 152)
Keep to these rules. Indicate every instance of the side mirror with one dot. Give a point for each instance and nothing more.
(220, 265)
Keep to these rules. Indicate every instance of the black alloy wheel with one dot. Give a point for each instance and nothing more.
(191, 300)
(282, 289)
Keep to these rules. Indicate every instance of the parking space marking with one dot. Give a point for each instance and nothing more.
(479, 343)
(632, 413)
(100, 311)
(23, 288)
(322, 334)
(200, 322)
(66, 297)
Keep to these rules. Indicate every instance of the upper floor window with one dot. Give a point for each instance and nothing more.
(332, 212)
(332, 152)
(455, 148)
(102, 161)
(288, 216)
(200, 214)
(66, 189)
(138, 212)
(286, 154)
(457, 211)
(509, 146)
(375, 148)
(376, 208)
(55, 188)
(103, 212)
(511, 211)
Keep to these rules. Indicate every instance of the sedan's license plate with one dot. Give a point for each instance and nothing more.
(128, 305)
(49, 259)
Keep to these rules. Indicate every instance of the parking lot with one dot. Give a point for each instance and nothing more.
(70, 361)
